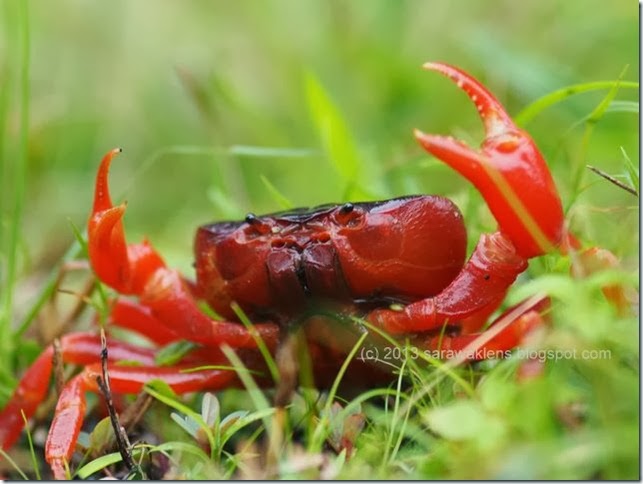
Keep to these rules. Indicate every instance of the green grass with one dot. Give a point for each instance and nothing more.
(224, 108)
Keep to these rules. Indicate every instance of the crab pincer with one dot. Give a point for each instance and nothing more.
(517, 186)
(138, 269)
(508, 171)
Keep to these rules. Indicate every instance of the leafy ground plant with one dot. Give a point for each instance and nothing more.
(564, 406)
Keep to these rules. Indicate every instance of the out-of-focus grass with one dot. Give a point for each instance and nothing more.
(223, 108)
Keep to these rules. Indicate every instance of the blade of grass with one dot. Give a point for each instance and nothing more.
(50, 286)
(396, 407)
(271, 152)
(632, 170)
(445, 369)
(594, 117)
(256, 395)
(623, 107)
(337, 141)
(320, 432)
(265, 352)
(6, 90)
(103, 461)
(525, 116)
(172, 403)
(32, 453)
(8, 458)
(276, 194)
(18, 184)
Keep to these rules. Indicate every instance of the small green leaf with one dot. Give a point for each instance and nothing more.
(102, 434)
(623, 107)
(238, 420)
(232, 418)
(186, 423)
(153, 389)
(181, 447)
(160, 390)
(210, 409)
(532, 110)
(98, 464)
(339, 461)
(466, 420)
(172, 353)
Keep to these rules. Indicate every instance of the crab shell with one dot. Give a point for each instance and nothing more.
(396, 250)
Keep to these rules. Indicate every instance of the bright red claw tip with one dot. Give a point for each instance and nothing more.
(493, 114)
(508, 171)
(102, 200)
(106, 239)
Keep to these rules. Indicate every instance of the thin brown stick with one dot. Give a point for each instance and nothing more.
(122, 441)
(613, 180)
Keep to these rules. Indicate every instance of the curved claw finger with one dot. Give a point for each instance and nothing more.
(508, 171)
(106, 237)
(460, 157)
(495, 118)
(102, 200)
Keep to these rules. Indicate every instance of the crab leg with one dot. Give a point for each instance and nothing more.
(137, 269)
(138, 318)
(84, 349)
(475, 292)
(504, 334)
(70, 410)
(596, 259)
(509, 171)
(77, 348)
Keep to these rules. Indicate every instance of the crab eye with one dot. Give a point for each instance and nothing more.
(256, 226)
(346, 208)
(348, 215)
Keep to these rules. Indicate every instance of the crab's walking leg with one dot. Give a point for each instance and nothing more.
(475, 292)
(504, 334)
(78, 348)
(138, 318)
(30, 393)
(596, 259)
(137, 269)
(70, 410)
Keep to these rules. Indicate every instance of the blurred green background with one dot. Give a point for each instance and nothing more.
(178, 84)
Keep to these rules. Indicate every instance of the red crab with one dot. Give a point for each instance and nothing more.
(398, 264)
